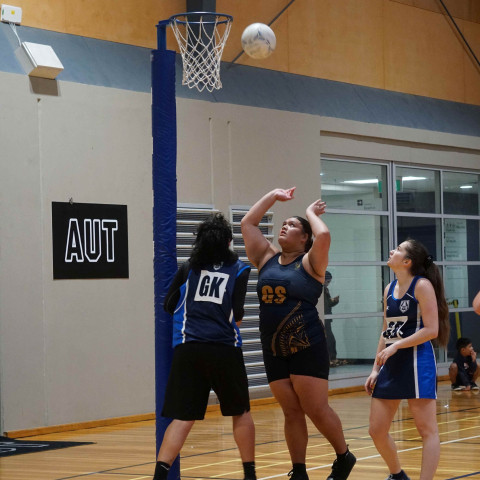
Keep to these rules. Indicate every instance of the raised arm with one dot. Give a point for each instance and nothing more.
(258, 248)
(316, 260)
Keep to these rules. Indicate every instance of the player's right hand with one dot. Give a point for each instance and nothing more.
(370, 382)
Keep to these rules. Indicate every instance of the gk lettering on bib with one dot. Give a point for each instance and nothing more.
(211, 287)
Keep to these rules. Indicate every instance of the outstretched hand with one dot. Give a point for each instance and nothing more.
(284, 195)
(317, 207)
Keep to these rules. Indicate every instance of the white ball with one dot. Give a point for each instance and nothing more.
(258, 40)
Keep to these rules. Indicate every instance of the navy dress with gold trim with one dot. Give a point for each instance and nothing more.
(288, 295)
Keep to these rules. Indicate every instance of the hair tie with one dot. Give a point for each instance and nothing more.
(428, 262)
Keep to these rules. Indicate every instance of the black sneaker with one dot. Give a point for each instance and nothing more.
(403, 477)
(473, 386)
(458, 387)
(342, 467)
(297, 475)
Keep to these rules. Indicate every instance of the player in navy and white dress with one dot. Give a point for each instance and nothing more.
(412, 371)
(206, 299)
(295, 353)
(415, 312)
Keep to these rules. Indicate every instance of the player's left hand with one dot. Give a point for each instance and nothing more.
(317, 208)
(385, 354)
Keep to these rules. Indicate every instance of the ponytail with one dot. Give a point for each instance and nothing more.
(422, 264)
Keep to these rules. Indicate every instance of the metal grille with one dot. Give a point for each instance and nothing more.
(188, 220)
(252, 349)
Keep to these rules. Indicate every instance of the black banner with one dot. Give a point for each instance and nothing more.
(90, 240)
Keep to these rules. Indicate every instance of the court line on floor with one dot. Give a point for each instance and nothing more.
(111, 471)
(464, 476)
(314, 435)
(378, 455)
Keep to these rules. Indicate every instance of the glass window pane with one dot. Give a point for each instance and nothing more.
(359, 288)
(463, 324)
(357, 237)
(356, 339)
(417, 190)
(461, 239)
(460, 193)
(354, 186)
(425, 230)
(462, 283)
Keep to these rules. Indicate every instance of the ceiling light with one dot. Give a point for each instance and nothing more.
(362, 182)
(466, 186)
(408, 179)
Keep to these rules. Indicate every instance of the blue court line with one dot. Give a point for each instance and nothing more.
(464, 476)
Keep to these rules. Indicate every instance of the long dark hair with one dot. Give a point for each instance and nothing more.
(422, 264)
(308, 230)
(211, 247)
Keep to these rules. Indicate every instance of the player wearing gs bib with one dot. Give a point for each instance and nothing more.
(288, 296)
(411, 372)
(295, 354)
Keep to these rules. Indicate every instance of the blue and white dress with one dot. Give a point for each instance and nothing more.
(410, 372)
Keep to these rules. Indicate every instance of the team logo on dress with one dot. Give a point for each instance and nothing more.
(404, 305)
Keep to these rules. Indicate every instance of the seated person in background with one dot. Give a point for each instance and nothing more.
(464, 368)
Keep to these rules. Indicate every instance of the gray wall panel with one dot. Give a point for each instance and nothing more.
(73, 350)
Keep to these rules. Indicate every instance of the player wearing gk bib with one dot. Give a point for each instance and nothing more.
(204, 311)
(206, 299)
(411, 372)
(295, 354)
(415, 312)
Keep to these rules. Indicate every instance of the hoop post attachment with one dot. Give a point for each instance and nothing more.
(201, 37)
(162, 35)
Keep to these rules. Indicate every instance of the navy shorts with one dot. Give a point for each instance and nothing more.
(312, 361)
(198, 368)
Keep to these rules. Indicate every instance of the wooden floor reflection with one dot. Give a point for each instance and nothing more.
(126, 452)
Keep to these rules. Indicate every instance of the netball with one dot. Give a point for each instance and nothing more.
(258, 41)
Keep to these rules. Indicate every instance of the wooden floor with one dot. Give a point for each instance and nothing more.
(126, 452)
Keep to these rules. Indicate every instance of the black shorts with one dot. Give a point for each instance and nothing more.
(311, 362)
(196, 369)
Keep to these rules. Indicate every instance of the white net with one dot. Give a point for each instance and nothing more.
(201, 38)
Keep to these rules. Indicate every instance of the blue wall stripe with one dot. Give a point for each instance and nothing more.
(109, 64)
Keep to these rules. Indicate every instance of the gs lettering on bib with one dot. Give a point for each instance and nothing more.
(211, 287)
(394, 329)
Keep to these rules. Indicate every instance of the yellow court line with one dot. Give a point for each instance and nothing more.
(374, 456)
(451, 431)
(283, 462)
(326, 443)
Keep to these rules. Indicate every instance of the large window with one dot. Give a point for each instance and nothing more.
(372, 207)
(358, 213)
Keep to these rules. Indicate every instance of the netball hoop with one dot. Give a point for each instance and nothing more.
(201, 37)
